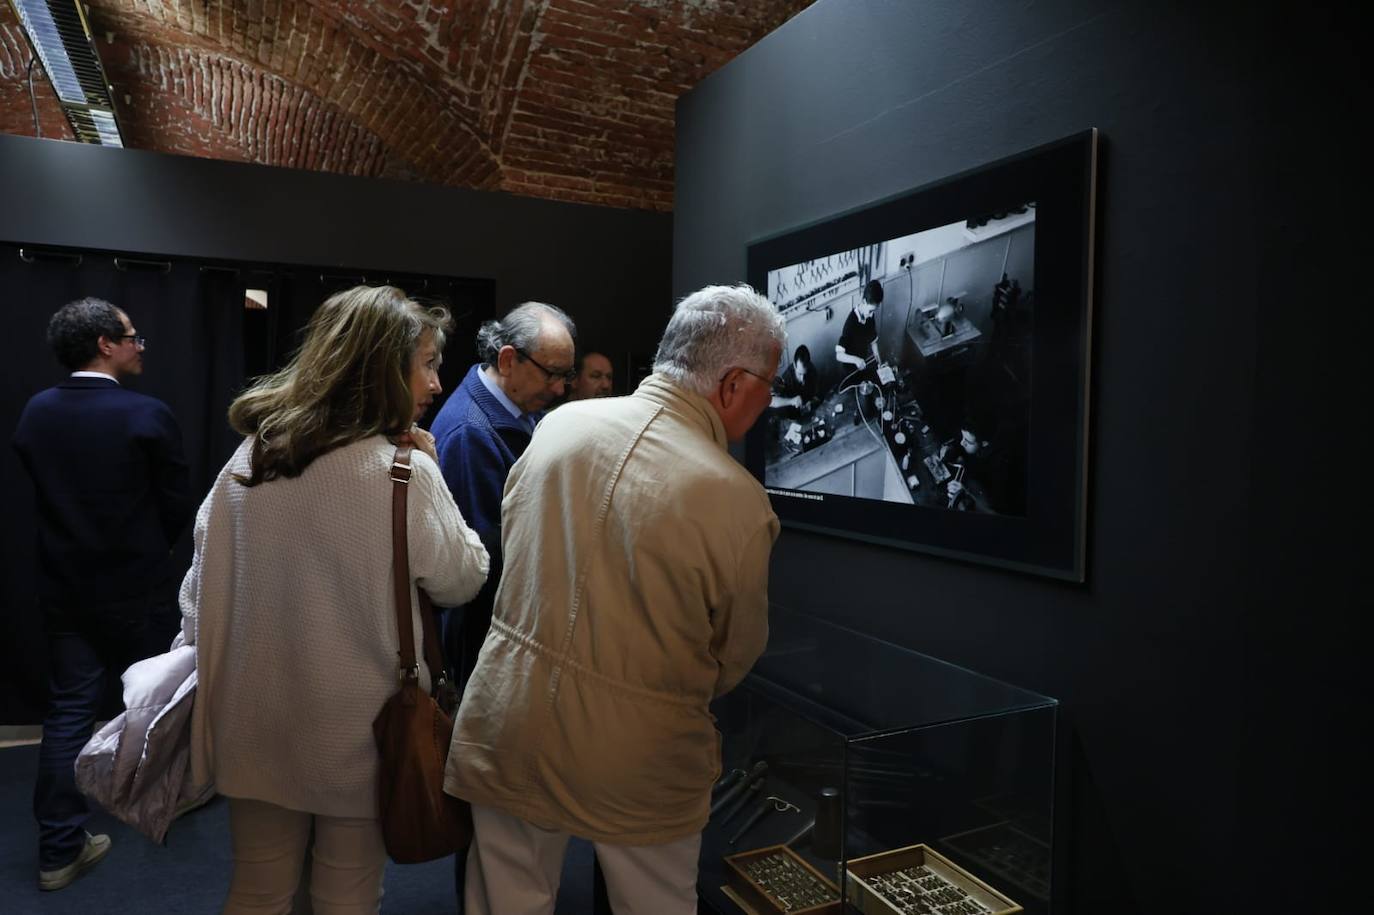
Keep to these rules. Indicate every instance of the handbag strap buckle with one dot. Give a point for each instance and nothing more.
(409, 672)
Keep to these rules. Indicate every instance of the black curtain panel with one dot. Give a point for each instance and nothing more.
(193, 320)
(470, 302)
(297, 292)
(204, 347)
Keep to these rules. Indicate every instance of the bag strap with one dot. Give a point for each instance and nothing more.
(400, 564)
(438, 674)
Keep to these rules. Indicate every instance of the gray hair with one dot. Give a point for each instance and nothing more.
(520, 328)
(714, 330)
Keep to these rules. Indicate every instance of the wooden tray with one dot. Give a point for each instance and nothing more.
(758, 898)
(870, 900)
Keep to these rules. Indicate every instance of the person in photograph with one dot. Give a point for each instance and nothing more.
(982, 471)
(289, 599)
(595, 376)
(857, 352)
(994, 466)
(857, 347)
(961, 458)
(635, 592)
(961, 451)
(797, 389)
(113, 495)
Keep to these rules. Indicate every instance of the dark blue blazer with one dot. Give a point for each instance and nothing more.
(113, 491)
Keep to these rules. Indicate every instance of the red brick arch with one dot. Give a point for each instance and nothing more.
(568, 99)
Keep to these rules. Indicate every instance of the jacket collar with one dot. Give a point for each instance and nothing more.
(495, 411)
(87, 381)
(692, 406)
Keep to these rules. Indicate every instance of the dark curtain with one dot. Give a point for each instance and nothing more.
(194, 362)
(470, 302)
(203, 348)
(297, 292)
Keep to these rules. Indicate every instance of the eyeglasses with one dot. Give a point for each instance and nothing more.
(767, 381)
(139, 339)
(567, 377)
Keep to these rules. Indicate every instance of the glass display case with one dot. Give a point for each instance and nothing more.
(864, 777)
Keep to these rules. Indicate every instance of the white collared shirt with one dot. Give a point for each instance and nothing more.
(95, 375)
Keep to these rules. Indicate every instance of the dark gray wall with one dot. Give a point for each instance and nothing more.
(608, 267)
(1205, 669)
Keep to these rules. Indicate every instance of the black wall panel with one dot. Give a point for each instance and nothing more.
(608, 268)
(1206, 667)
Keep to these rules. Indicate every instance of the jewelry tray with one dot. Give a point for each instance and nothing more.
(764, 896)
(917, 880)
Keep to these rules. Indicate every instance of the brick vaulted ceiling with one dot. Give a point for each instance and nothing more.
(566, 99)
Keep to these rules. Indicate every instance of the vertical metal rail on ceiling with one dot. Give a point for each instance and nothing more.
(60, 35)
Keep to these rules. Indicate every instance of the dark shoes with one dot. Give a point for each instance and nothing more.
(95, 848)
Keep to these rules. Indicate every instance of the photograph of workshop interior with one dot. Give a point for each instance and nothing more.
(909, 366)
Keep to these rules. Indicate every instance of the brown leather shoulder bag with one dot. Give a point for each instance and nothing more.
(419, 821)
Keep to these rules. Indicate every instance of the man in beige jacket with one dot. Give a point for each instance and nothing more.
(635, 591)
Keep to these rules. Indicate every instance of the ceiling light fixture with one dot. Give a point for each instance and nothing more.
(61, 38)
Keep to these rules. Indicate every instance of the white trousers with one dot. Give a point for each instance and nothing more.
(269, 843)
(514, 868)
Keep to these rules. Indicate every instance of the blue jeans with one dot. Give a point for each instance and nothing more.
(87, 647)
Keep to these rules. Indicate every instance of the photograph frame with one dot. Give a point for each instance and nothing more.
(1046, 533)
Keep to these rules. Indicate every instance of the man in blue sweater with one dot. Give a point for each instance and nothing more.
(483, 428)
(113, 495)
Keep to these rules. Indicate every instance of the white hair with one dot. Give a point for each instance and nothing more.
(522, 328)
(716, 329)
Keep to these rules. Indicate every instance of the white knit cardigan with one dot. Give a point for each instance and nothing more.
(289, 604)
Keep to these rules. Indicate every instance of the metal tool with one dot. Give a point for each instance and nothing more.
(743, 802)
(727, 781)
(771, 804)
(759, 770)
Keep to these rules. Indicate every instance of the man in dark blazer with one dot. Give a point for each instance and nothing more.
(113, 495)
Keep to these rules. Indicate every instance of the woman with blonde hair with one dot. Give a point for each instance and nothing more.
(289, 598)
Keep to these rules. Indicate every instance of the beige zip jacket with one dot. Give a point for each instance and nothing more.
(635, 591)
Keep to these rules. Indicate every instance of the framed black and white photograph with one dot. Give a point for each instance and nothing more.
(933, 394)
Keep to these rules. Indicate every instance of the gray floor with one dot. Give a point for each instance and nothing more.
(190, 874)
